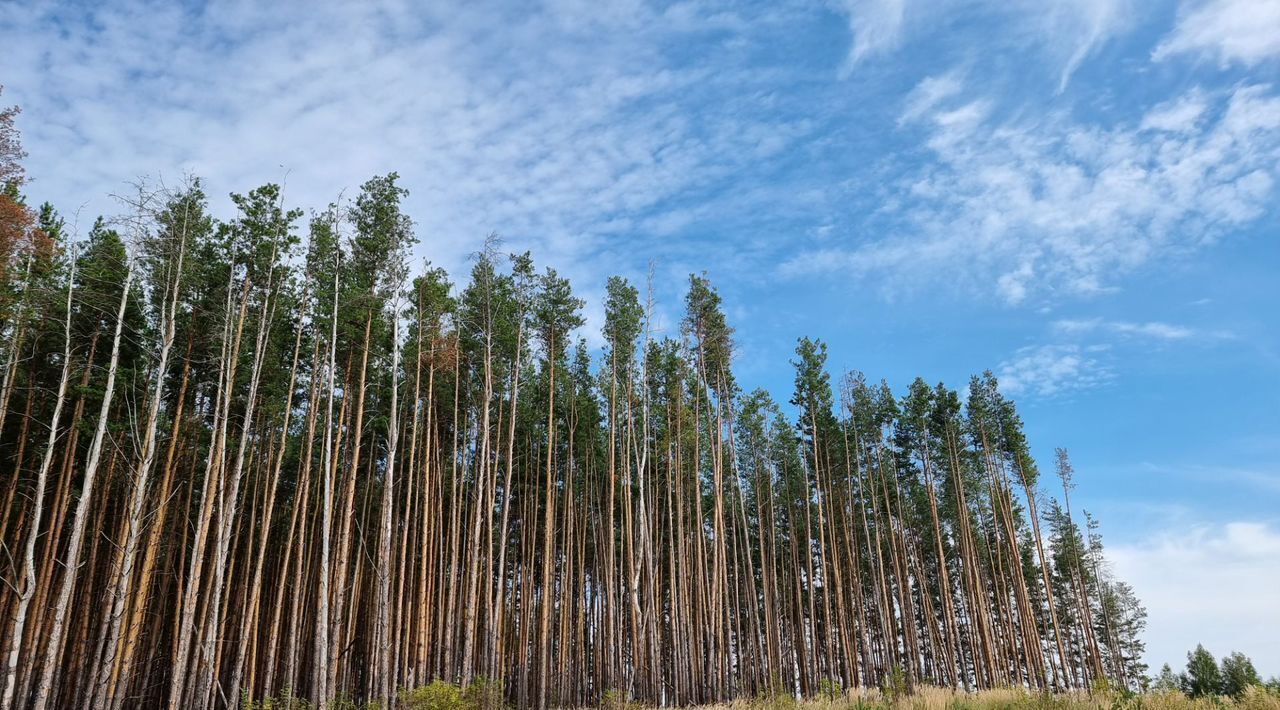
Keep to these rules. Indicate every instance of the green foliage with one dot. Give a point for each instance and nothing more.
(484, 694)
(437, 695)
(382, 235)
(830, 688)
(1167, 681)
(284, 701)
(1202, 677)
(261, 236)
(712, 337)
(556, 312)
(1238, 674)
(615, 699)
(894, 686)
(622, 320)
(481, 694)
(813, 397)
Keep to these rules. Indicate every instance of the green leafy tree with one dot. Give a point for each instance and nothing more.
(1167, 681)
(1237, 673)
(1202, 678)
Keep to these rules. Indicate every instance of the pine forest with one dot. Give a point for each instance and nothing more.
(277, 453)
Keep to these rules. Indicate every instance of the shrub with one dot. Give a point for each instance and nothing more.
(285, 701)
(484, 694)
(615, 699)
(894, 687)
(830, 688)
(437, 695)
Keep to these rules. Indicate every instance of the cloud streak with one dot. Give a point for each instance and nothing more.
(876, 27)
(1153, 329)
(1036, 207)
(1067, 32)
(572, 126)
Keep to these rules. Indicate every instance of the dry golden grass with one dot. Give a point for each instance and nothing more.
(1256, 698)
(443, 696)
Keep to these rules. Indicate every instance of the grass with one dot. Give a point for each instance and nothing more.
(487, 695)
(1255, 698)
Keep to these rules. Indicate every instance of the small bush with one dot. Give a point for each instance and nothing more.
(830, 688)
(284, 701)
(894, 687)
(437, 695)
(614, 699)
(484, 694)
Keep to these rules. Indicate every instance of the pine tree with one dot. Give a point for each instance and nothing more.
(236, 470)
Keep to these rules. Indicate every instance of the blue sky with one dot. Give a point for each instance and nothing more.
(1077, 194)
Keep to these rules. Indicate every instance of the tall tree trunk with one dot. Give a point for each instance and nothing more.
(53, 653)
(28, 580)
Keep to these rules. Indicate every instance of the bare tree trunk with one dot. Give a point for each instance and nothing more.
(230, 348)
(106, 691)
(321, 693)
(28, 580)
(54, 648)
(250, 614)
(382, 641)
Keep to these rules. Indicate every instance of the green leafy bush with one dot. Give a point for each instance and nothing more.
(437, 695)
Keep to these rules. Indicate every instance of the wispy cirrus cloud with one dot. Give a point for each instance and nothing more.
(1080, 354)
(1066, 32)
(1226, 31)
(1027, 207)
(1150, 329)
(876, 26)
(930, 92)
(1077, 28)
(575, 123)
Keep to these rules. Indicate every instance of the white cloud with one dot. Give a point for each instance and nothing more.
(1181, 115)
(1153, 329)
(1078, 28)
(1049, 205)
(1066, 31)
(876, 27)
(1244, 31)
(1050, 370)
(929, 93)
(558, 125)
(1210, 584)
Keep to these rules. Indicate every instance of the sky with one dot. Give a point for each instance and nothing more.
(1080, 195)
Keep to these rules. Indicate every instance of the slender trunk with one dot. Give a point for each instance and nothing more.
(382, 649)
(53, 651)
(321, 693)
(28, 579)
